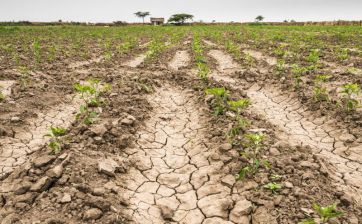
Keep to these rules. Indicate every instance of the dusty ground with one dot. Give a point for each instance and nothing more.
(156, 154)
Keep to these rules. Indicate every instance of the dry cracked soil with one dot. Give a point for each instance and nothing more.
(157, 155)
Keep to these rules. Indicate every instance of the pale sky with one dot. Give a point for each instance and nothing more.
(206, 10)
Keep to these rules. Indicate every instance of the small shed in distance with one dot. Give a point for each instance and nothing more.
(157, 21)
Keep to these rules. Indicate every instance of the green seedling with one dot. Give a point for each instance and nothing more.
(232, 48)
(239, 105)
(253, 144)
(36, 48)
(238, 127)
(313, 56)
(203, 70)
(219, 103)
(343, 54)
(280, 67)
(2, 97)
(320, 91)
(275, 177)
(279, 51)
(324, 213)
(90, 95)
(56, 143)
(298, 72)
(274, 187)
(328, 212)
(250, 61)
(307, 221)
(154, 49)
(350, 91)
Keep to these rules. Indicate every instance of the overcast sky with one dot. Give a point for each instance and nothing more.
(206, 10)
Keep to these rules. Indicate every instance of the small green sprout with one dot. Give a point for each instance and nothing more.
(343, 54)
(350, 91)
(55, 143)
(90, 95)
(275, 177)
(325, 214)
(2, 97)
(239, 105)
(307, 221)
(237, 128)
(273, 186)
(253, 145)
(221, 95)
(328, 212)
(313, 56)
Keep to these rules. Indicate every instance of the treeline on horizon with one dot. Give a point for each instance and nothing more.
(122, 23)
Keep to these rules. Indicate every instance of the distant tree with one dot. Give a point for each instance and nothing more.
(292, 21)
(180, 18)
(60, 21)
(259, 18)
(142, 15)
(285, 21)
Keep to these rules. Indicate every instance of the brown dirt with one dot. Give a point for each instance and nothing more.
(156, 154)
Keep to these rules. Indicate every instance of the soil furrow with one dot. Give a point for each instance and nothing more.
(171, 181)
(181, 59)
(14, 151)
(299, 127)
(136, 61)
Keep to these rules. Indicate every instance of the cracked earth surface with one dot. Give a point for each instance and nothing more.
(174, 179)
(14, 151)
(181, 59)
(136, 61)
(297, 126)
(5, 87)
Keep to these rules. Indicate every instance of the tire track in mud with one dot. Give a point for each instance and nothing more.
(14, 151)
(298, 126)
(174, 179)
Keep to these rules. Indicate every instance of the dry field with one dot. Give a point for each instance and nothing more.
(200, 124)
